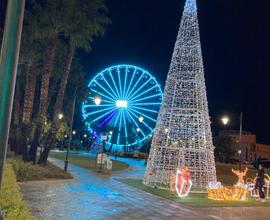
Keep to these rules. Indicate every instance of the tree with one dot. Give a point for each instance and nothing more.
(47, 26)
(224, 148)
(82, 21)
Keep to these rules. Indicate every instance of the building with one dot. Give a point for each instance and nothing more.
(250, 149)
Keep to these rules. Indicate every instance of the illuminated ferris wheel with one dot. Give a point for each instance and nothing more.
(123, 103)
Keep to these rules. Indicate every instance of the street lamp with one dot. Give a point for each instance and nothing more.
(73, 132)
(60, 116)
(225, 120)
(141, 118)
(97, 100)
(85, 135)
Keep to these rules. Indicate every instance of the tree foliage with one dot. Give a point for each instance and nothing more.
(50, 69)
(223, 148)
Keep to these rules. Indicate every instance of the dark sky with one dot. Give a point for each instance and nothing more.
(235, 37)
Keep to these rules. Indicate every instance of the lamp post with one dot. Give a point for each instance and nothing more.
(225, 120)
(70, 131)
(239, 153)
(8, 70)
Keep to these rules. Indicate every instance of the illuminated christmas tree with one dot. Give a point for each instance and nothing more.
(183, 133)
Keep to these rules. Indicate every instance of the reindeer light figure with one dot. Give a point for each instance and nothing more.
(240, 175)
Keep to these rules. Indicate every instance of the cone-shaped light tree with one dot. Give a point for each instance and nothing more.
(183, 133)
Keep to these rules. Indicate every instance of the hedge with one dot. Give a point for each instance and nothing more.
(11, 201)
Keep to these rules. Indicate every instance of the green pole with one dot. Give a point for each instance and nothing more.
(8, 70)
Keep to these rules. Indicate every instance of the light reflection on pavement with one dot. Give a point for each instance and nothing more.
(93, 196)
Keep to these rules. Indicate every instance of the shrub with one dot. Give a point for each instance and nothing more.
(27, 171)
(11, 201)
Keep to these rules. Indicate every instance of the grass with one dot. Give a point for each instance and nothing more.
(29, 172)
(224, 174)
(11, 201)
(87, 161)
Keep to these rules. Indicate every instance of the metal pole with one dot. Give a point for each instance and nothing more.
(8, 70)
(70, 131)
(240, 138)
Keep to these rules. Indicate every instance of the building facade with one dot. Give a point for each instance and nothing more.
(250, 149)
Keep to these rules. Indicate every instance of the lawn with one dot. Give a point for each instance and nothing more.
(200, 199)
(87, 161)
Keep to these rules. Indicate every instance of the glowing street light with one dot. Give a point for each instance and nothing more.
(110, 132)
(138, 129)
(73, 132)
(225, 120)
(141, 118)
(85, 135)
(60, 116)
(97, 100)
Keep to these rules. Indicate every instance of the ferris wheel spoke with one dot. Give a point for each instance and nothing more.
(118, 94)
(119, 81)
(146, 125)
(117, 117)
(102, 94)
(136, 124)
(100, 117)
(115, 95)
(125, 126)
(144, 109)
(148, 90)
(144, 115)
(148, 97)
(99, 111)
(139, 89)
(125, 82)
(135, 85)
(97, 106)
(103, 100)
(130, 83)
(109, 117)
(119, 127)
(104, 89)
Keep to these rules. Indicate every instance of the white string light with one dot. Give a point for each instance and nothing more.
(184, 114)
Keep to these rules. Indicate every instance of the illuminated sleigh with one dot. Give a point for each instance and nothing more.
(238, 192)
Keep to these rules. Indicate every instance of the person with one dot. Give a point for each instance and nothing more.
(259, 185)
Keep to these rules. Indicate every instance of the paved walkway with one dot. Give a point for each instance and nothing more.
(93, 197)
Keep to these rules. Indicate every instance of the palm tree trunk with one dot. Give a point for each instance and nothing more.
(29, 95)
(58, 107)
(14, 141)
(43, 105)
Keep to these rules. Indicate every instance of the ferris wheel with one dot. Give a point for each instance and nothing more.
(123, 104)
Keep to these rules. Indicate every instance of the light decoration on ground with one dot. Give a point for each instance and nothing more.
(123, 101)
(238, 192)
(183, 133)
(255, 193)
(183, 182)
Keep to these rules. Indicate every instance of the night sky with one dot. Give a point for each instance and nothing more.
(235, 43)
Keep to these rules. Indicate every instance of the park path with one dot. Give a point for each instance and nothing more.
(94, 196)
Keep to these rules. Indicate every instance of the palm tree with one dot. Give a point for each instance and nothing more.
(83, 21)
(47, 26)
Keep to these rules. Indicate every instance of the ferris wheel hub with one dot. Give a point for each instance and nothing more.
(121, 103)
